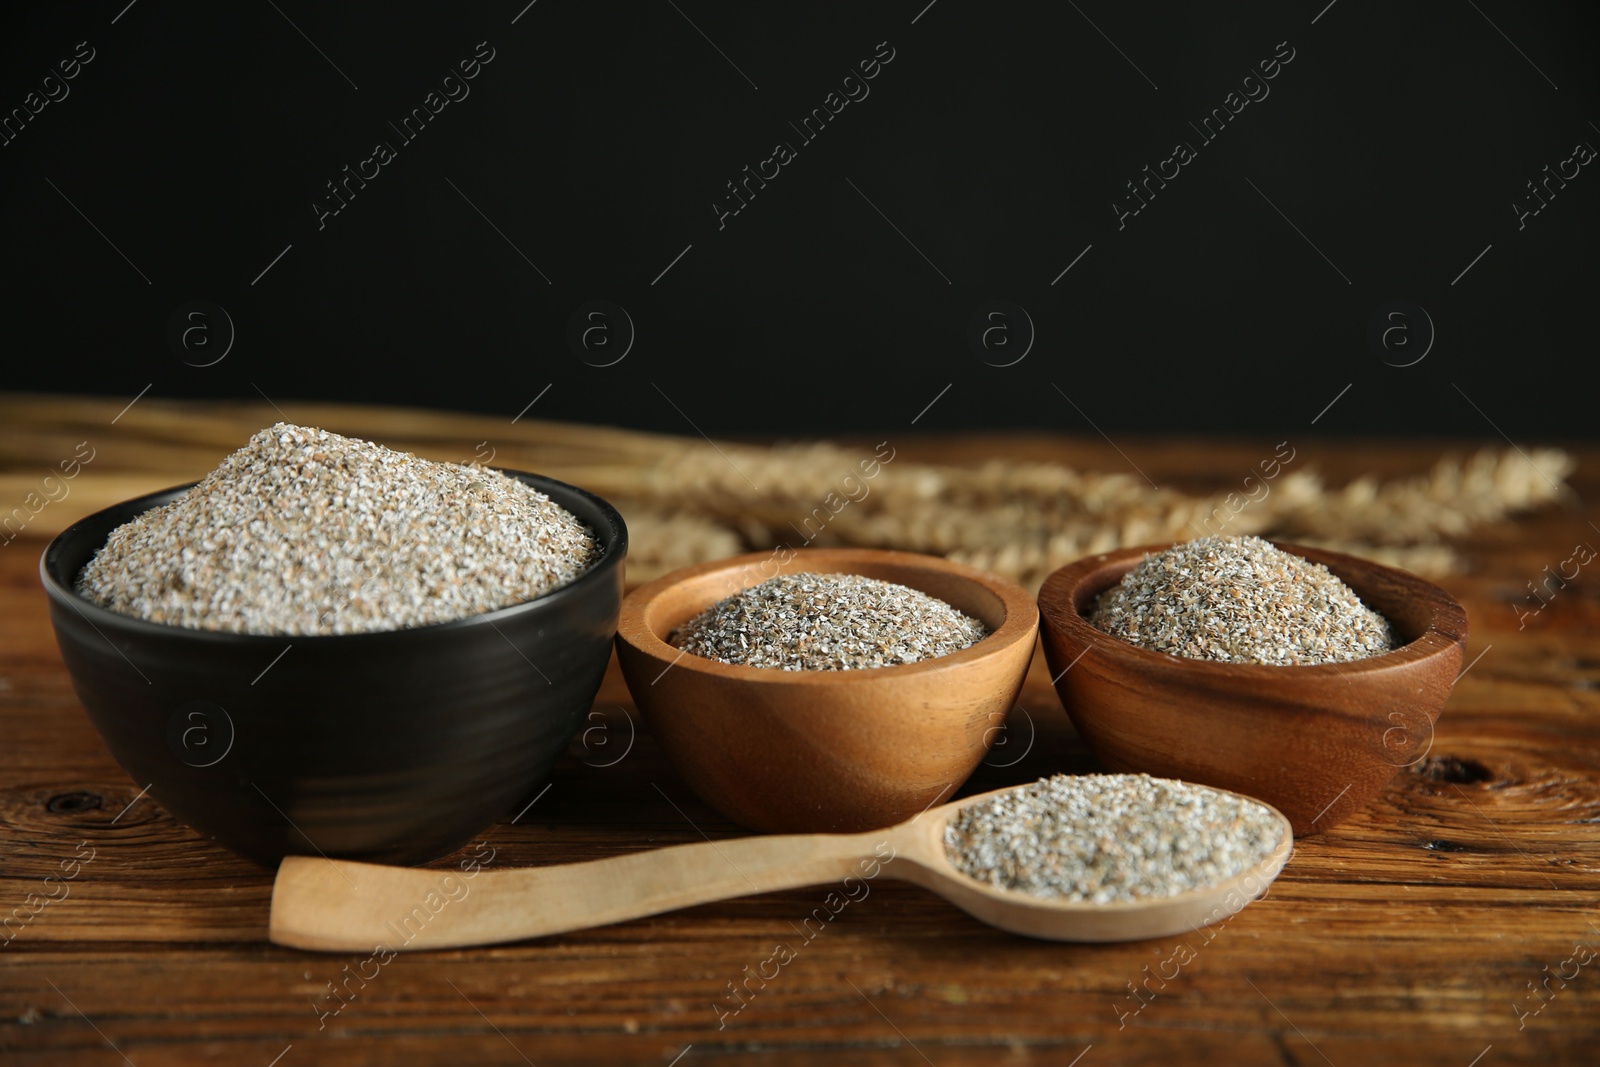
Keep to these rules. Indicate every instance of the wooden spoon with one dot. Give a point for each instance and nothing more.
(345, 906)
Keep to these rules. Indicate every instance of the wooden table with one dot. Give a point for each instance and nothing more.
(1418, 932)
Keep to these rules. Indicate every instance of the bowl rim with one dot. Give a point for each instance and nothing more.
(613, 540)
(1446, 630)
(1021, 617)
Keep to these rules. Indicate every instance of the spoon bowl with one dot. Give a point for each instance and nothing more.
(344, 906)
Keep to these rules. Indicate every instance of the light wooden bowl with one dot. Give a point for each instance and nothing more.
(825, 751)
(1315, 742)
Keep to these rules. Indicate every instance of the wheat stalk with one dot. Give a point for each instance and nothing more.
(688, 501)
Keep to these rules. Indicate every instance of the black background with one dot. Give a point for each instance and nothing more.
(995, 141)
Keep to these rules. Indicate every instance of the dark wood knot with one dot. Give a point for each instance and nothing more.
(1446, 846)
(1453, 770)
(73, 803)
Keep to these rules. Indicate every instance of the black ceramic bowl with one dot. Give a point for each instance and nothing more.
(391, 747)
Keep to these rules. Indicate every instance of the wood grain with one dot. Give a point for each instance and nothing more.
(1408, 934)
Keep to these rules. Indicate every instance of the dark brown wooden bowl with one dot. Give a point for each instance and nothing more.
(825, 751)
(1315, 742)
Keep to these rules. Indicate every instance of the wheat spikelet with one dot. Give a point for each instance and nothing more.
(688, 501)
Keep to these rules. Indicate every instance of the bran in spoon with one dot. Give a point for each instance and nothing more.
(1104, 838)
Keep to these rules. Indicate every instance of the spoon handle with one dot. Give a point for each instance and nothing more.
(344, 906)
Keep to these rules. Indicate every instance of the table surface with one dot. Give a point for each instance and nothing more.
(1454, 921)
